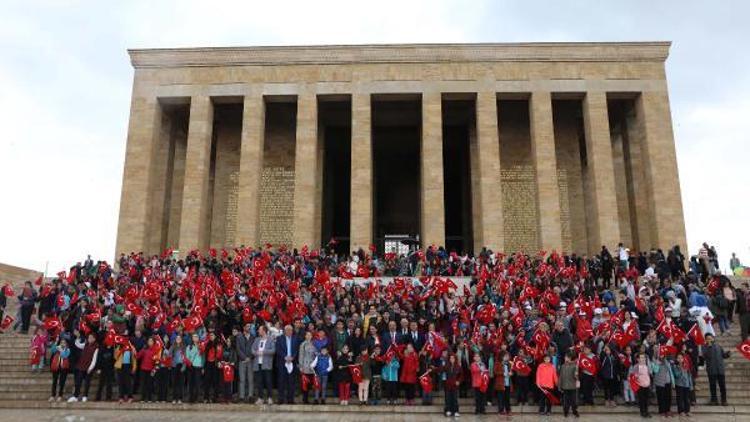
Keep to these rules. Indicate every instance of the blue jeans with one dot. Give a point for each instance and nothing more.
(321, 394)
(723, 324)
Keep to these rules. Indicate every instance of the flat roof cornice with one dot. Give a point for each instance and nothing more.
(651, 51)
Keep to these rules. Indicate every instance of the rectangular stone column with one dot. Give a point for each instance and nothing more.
(251, 169)
(545, 166)
(143, 132)
(305, 171)
(361, 212)
(195, 199)
(660, 162)
(490, 196)
(603, 218)
(432, 198)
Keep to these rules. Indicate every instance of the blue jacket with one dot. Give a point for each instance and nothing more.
(390, 370)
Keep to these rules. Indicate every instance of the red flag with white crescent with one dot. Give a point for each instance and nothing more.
(588, 364)
(744, 348)
(520, 367)
(550, 396)
(356, 372)
(633, 381)
(696, 335)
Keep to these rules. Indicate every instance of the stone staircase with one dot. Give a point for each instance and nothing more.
(20, 388)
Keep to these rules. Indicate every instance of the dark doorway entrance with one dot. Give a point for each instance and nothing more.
(396, 132)
(335, 116)
(458, 125)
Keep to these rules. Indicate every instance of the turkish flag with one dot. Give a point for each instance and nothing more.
(659, 313)
(8, 290)
(228, 372)
(52, 323)
(678, 335)
(632, 331)
(485, 377)
(550, 396)
(520, 367)
(316, 383)
(588, 364)
(7, 321)
(192, 322)
(34, 356)
(540, 338)
(622, 339)
(426, 382)
(666, 350)
(696, 335)
(624, 360)
(633, 381)
(744, 348)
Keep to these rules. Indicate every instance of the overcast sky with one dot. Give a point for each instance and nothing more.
(65, 81)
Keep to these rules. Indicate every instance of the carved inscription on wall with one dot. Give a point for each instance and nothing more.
(277, 205)
(519, 208)
(232, 199)
(562, 184)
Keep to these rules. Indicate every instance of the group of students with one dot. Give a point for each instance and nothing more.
(236, 328)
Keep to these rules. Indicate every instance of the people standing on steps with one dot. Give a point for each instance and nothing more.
(713, 356)
(164, 297)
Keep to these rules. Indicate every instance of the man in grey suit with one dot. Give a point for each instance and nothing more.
(245, 362)
(264, 348)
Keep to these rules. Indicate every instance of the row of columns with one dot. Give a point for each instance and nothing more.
(603, 225)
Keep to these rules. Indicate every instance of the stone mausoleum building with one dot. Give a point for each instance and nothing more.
(564, 146)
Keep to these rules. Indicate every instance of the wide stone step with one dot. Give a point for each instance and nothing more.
(372, 410)
(41, 393)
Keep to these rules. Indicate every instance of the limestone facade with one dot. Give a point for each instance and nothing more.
(570, 145)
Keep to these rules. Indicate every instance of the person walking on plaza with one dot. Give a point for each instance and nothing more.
(714, 356)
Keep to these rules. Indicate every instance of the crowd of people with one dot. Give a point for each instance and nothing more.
(235, 326)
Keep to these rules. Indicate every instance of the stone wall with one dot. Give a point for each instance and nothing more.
(226, 181)
(277, 177)
(568, 134)
(517, 177)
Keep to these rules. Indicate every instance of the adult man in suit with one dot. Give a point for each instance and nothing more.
(415, 337)
(245, 362)
(287, 347)
(391, 336)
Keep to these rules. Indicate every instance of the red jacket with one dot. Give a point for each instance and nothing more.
(409, 369)
(476, 374)
(146, 359)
